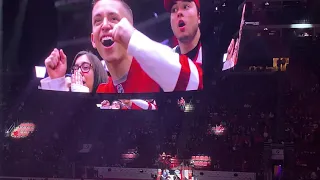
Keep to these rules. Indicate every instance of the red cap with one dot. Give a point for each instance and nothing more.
(169, 3)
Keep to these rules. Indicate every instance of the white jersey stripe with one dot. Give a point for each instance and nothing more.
(162, 64)
(194, 79)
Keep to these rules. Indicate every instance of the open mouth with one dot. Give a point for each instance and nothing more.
(181, 24)
(107, 41)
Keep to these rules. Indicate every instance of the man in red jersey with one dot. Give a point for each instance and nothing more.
(126, 73)
(185, 20)
(135, 62)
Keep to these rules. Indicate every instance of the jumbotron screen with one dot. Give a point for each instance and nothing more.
(116, 46)
(131, 50)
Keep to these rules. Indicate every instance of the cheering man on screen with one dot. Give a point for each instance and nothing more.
(126, 73)
(135, 62)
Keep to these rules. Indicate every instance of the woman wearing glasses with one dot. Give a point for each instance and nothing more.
(87, 72)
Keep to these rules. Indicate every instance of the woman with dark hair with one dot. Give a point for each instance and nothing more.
(90, 68)
(87, 72)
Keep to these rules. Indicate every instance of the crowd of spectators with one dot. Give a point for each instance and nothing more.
(110, 134)
(246, 118)
(73, 135)
(301, 119)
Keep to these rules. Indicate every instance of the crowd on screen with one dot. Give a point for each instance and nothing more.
(126, 104)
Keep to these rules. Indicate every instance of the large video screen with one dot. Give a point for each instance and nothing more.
(117, 46)
(120, 47)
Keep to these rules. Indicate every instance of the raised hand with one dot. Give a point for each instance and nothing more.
(122, 32)
(76, 78)
(56, 64)
(77, 83)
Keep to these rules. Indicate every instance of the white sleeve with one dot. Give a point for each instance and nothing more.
(142, 104)
(58, 84)
(163, 65)
(79, 88)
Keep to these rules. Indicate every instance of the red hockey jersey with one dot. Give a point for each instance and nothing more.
(195, 55)
(139, 104)
(172, 71)
(137, 82)
(157, 66)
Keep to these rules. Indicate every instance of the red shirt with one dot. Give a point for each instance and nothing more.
(137, 107)
(185, 71)
(137, 82)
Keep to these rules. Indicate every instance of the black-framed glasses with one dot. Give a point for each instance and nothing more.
(85, 67)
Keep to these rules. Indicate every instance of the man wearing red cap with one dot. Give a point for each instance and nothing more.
(185, 21)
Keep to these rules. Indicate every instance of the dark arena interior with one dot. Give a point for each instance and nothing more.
(255, 121)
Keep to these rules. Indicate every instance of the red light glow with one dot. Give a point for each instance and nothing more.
(23, 130)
